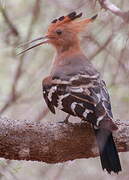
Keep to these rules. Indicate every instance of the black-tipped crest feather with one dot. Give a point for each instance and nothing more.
(61, 18)
(54, 21)
(74, 15)
(94, 17)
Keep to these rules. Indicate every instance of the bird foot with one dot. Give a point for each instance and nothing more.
(66, 120)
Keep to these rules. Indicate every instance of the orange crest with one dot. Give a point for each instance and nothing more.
(65, 19)
(69, 20)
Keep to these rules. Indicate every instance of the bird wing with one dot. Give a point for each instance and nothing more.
(47, 93)
(82, 95)
(93, 93)
(93, 90)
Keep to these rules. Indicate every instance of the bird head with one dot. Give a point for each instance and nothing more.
(63, 32)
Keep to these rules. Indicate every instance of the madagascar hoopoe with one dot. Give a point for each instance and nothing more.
(76, 87)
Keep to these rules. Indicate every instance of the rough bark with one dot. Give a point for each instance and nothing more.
(52, 143)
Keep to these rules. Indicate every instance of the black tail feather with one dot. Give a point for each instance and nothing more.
(108, 152)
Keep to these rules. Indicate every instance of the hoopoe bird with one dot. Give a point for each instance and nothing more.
(76, 87)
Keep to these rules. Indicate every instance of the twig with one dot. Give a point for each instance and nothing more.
(8, 21)
(101, 48)
(107, 5)
(13, 93)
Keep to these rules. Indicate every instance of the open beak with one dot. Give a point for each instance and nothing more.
(44, 39)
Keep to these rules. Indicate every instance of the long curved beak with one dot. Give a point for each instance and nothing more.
(44, 38)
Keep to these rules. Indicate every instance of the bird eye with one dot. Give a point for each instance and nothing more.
(59, 32)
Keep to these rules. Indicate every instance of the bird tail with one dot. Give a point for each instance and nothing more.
(108, 153)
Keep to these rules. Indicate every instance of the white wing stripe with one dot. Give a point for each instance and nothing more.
(52, 90)
(60, 106)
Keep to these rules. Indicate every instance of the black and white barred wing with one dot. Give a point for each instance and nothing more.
(83, 96)
(48, 90)
(92, 91)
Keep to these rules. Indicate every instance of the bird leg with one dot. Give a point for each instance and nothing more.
(66, 120)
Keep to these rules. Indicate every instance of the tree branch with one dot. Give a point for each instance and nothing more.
(52, 143)
(107, 5)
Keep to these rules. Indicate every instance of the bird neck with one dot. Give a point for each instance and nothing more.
(68, 49)
(63, 57)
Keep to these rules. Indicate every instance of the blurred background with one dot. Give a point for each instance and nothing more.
(106, 44)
